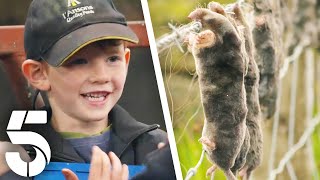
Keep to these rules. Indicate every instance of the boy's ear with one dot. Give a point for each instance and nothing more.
(127, 55)
(36, 74)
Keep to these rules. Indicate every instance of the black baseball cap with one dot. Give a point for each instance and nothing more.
(56, 29)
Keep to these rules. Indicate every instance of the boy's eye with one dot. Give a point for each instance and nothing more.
(113, 59)
(76, 62)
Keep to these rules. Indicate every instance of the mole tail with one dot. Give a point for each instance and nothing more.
(234, 172)
(246, 175)
(230, 175)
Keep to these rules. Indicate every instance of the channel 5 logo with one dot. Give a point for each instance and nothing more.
(38, 142)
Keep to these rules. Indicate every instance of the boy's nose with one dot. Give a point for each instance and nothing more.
(99, 73)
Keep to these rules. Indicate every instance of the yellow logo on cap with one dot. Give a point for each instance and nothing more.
(73, 3)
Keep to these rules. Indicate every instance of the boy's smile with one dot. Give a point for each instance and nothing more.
(87, 86)
(96, 97)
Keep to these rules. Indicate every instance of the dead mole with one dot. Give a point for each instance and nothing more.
(220, 60)
(254, 148)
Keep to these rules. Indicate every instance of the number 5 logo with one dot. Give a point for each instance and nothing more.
(39, 143)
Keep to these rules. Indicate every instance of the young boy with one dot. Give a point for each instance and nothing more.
(77, 54)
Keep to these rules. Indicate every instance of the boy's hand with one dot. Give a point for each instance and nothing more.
(8, 147)
(161, 145)
(101, 167)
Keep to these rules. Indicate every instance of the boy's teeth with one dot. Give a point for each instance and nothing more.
(95, 96)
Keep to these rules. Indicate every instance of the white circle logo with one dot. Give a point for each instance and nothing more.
(38, 142)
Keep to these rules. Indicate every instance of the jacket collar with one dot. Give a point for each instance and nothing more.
(125, 129)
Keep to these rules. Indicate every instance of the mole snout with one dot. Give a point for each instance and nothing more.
(196, 14)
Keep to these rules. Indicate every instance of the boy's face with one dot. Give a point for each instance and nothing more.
(88, 85)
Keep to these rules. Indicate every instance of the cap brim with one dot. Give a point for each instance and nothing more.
(65, 47)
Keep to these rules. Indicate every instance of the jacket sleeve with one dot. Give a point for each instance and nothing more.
(10, 175)
(147, 143)
(159, 165)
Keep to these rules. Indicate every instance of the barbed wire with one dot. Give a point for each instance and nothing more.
(177, 36)
(302, 141)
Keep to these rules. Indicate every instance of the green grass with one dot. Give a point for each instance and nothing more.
(189, 150)
(316, 148)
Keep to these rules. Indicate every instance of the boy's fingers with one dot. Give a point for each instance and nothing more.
(125, 172)
(69, 175)
(106, 166)
(9, 147)
(4, 146)
(96, 164)
(116, 166)
(161, 145)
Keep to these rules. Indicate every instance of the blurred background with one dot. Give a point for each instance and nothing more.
(186, 110)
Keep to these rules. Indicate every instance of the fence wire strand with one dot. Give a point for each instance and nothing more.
(302, 141)
(292, 114)
(309, 80)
